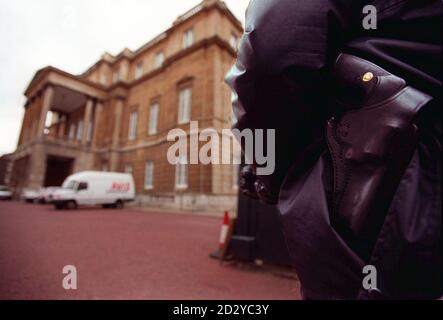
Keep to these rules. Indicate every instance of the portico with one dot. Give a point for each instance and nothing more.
(62, 113)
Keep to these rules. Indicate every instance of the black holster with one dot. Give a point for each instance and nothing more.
(371, 141)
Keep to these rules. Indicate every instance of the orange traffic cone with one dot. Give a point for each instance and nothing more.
(224, 231)
(223, 236)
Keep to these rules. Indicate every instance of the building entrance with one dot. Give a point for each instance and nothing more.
(57, 170)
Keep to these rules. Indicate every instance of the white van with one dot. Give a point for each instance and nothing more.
(109, 189)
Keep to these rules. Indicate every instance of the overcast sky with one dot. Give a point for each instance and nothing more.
(72, 35)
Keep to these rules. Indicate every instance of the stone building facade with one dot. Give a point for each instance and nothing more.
(5, 169)
(116, 115)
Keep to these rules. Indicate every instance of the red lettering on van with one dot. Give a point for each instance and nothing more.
(120, 186)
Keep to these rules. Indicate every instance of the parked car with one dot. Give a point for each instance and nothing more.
(5, 193)
(108, 189)
(46, 194)
(30, 195)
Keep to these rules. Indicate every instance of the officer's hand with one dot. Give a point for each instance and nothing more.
(247, 182)
(253, 187)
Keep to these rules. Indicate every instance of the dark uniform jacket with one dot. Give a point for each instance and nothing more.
(282, 80)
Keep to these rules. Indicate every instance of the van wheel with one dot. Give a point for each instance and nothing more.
(119, 204)
(71, 205)
(58, 206)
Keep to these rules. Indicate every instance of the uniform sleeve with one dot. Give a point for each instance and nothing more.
(280, 35)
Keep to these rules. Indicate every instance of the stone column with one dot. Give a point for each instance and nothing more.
(117, 122)
(46, 105)
(25, 128)
(87, 120)
(61, 126)
(97, 116)
(116, 134)
(37, 167)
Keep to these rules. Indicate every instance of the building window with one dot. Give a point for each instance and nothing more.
(233, 117)
(149, 175)
(233, 41)
(181, 173)
(103, 79)
(79, 130)
(138, 69)
(71, 132)
(153, 118)
(116, 76)
(159, 59)
(128, 168)
(132, 132)
(188, 38)
(235, 175)
(184, 107)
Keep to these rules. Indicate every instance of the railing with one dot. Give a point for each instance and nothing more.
(65, 141)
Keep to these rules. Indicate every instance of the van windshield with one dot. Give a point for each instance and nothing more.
(69, 185)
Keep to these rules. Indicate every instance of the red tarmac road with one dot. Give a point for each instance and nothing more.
(121, 254)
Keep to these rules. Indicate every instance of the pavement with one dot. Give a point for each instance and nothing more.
(123, 254)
